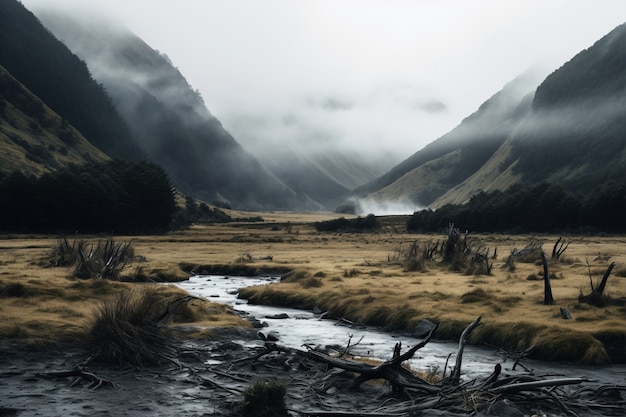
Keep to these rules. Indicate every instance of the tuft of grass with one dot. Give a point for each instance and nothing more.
(295, 276)
(65, 253)
(477, 295)
(351, 273)
(264, 398)
(131, 327)
(14, 290)
(105, 260)
(311, 282)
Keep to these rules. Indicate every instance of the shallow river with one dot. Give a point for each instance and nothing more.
(305, 327)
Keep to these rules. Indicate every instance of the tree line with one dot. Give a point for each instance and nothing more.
(111, 197)
(542, 207)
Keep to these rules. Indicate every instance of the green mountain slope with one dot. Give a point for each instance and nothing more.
(51, 72)
(33, 139)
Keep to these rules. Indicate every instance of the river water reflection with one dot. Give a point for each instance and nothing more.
(305, 327)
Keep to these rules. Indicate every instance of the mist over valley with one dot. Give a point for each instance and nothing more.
(566, 128)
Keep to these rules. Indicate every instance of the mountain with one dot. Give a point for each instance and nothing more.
(570, 131)
(451, 159)
(47, 68)
(169, 119)
(34, 139)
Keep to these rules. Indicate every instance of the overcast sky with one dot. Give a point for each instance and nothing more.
(382, 74)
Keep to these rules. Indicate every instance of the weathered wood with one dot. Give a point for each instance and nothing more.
(547, 287)
(532, 385)
(391, 370)
(456, 372)
(596, 297)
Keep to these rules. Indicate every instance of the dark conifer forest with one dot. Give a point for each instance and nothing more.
(532, 208)
(110, 197)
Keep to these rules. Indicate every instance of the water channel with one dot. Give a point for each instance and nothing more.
(306, 327)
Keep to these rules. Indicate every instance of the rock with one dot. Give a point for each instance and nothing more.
(422, 328)
(272, 336)
(256, 323)
(279, 316)
(565, 314)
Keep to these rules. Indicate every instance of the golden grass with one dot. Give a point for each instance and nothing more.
(350, 276)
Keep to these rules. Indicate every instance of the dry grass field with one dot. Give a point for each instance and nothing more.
(359, 277)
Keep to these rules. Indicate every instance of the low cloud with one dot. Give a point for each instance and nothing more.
(367, 206)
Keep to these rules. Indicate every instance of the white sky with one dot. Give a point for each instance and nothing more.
(387, 75)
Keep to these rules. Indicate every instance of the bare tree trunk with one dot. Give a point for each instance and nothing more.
(547, 288)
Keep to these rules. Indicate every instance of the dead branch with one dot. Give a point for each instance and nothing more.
(79, 374)
(456, 372)
(559, 247)
(597, 297)
(390, 370)
(525, 386)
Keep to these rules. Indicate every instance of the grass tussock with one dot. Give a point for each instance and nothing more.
(131, 327)
(477, 295)
(106, 260)
(264, 398)
(14, 290)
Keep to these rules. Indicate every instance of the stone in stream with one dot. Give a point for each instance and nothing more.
(279, 316)
(422, 328)
(271, 336)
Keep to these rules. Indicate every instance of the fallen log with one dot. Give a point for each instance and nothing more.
(390, 370)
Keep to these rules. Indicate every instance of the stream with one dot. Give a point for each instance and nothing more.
(306, 327)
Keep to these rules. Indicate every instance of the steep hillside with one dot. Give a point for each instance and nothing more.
(35, 140)
(169, 119)
(57, 77)
(451, 159)
(575, 133)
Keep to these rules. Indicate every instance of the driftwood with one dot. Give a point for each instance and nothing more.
(390, 370)
(468, 396)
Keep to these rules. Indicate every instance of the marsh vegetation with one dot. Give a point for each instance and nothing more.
(389, 278)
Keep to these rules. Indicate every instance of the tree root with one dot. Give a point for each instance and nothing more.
(79, 374)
